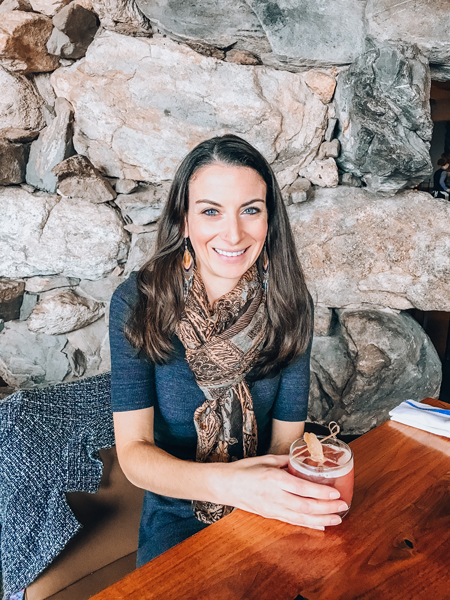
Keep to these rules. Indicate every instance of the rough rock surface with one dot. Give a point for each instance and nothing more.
(13, 159)
(425, 23)
(382, 103)
(102, 289)
(61, 311)
(122, 16)
(20, 107)
(8, 5)
(89, 349)
(44, 234)
(117, 118)
(142, 248)
(45, 284)
(374, 361)
(78, 178)
(28, 359)
(11, 298)
(48, 7)
(75, 28)
(29, 302)
(45, 90)
(323, 173)
(143, 206)
(312, 32)
(23, 38)
(53, 146)
(300, 191)
(359, 249)
(323, 317)
(322, 84)
(221, 24)
(126, 186)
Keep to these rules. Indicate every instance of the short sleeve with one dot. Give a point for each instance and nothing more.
(132, 376)
(291, 402)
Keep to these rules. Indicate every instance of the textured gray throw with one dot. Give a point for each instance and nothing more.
(49, 442)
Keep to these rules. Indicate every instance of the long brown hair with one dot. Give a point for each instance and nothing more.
(153, 321)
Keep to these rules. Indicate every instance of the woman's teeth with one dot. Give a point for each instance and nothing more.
(229, 253)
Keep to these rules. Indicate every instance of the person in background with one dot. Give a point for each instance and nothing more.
(210, 350)
(440, 187)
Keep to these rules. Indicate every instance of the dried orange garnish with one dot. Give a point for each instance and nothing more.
(314, 447)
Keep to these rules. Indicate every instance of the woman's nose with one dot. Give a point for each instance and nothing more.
(232, 232)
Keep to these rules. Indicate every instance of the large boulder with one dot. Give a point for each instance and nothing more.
(359, 249)
(75, 28)
(20, 107)
(383, 106)
(44, 234)
(423, 23)
(129, 123)
(28, 359)
(23, 39)
(373, 361)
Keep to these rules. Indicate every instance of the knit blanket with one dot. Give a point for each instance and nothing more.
(49, 442)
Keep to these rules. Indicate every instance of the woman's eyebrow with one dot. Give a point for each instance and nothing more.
(206, 201)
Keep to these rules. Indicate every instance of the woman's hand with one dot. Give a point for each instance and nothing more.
(261, 485)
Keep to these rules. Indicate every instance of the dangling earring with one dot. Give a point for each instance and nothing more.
(188, 269)
(265, 271)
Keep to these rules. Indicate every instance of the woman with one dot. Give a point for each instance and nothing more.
(210, 363)
(440, 176)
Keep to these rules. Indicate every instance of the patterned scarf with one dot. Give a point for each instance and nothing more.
(222, 345)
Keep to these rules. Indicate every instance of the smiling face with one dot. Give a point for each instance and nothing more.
(226, 224)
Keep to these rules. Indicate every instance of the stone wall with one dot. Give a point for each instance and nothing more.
(102, 100)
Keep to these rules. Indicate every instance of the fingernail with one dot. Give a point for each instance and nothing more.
(334, 495)
(335, 520)
(342, 506)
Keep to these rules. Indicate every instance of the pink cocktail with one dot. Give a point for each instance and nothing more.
(336, 471)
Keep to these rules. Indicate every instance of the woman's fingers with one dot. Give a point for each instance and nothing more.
(302, 487)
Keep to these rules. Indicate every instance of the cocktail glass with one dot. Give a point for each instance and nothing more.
(336, 471)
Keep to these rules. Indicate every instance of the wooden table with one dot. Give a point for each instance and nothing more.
(394, 543)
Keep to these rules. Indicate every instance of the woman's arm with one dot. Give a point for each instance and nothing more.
(283, 434)
(259, 485)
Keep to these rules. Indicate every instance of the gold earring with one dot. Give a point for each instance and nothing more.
(188, 269)
(265, 269)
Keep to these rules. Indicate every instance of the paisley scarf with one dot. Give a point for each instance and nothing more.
(222, 345)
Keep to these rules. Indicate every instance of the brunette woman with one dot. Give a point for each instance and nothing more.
(210, 349)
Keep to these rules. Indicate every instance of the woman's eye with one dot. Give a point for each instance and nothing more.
(210, 212)
(253, 210)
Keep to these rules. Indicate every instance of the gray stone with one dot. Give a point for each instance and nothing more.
(332, 122)
(423, 23)
(13, 159)
(23, 36)
(132, 228)
(118, 119)
(45, 284)
(61, 311)
(313, 32)
(28, 359)
(2, 324)
(28, 304)
(300, 191)
(322, 320)
(329, 150)
(78, 178)
(142, 249)
(53, 146)
(45, 90)
(382, 103)
(359, 249)
(374, 361)
(144, 206)
(28, 188)
(45, 234)
(102, 289)
(221, 24)
(8, 5)
(92, 342)
(20, 107)
(122, 16)
(242, 57)
(126, 186)
(349, 179)
(11, 298)
(75, 28)
(440, 72)
(323, 173)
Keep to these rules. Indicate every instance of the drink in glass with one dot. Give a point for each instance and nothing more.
(335, 471)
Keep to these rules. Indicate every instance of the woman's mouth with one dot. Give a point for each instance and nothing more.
(227, 253)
